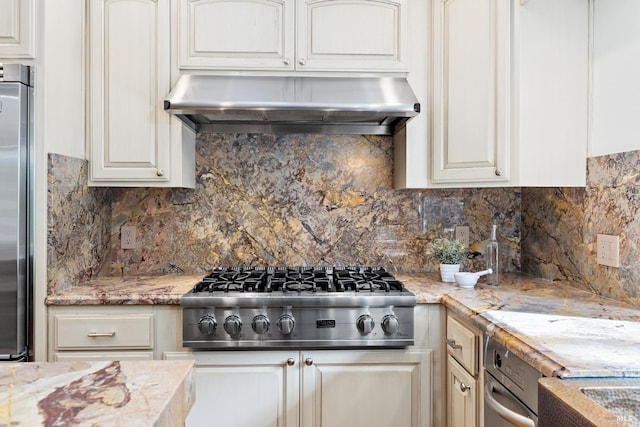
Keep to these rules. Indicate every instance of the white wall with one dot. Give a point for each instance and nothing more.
(615, 125)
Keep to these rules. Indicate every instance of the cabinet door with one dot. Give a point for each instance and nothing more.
(17, 27)
(238, 34)
(128, 79)
(462, 390)
(244, 389)
(366, 388)
(352, 35)
(471, 111)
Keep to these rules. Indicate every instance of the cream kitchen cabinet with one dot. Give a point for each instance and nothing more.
(302, 35)
(17, 29)
(510, 93)
(101, 333)
(312, 388)
(132, 141)
(464, 376)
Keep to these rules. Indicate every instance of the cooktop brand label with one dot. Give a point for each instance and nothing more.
(325, 323)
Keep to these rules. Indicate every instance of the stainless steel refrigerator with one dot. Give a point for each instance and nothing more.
(15, 207)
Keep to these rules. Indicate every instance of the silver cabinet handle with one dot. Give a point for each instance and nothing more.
(308, 361)
(160, 172)
(452, 343)
(291, 362)
(101, 334)
(464, 387)
(287, 61)
(302, 61)
(498, 172)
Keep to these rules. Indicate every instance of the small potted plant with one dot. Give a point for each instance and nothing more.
(450, 254)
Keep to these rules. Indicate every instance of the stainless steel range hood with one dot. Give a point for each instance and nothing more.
(333, 105)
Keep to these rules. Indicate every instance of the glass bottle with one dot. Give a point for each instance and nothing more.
(491, 255)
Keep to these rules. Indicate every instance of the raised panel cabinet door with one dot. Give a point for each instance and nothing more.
(17, 28)
(244, 389)
(471, 89)
(462, 406)
(352, 35)
(366, 388)
(128, 80)
(236, 34)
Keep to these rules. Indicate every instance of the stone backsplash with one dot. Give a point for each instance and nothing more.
(560, 228)
(321, 200)
(300, 200)
(78, 224)
(272, 200)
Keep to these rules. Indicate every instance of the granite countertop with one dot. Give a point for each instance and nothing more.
(560, 330)
(96, 393)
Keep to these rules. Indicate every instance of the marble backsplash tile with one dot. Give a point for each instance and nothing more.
(560, 227)
(78, 224)
(300, 200)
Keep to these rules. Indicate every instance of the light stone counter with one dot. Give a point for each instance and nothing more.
(559, 330)
(125, 393)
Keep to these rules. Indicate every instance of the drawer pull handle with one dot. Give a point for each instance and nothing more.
(101, 335)
(452, 343)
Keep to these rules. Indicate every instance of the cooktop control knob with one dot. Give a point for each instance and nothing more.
(232, 324)
(365, 324)
(286, 323)
(260, 324)
(207, 324)
(390, 324)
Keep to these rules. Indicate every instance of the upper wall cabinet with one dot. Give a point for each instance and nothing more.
(17, 25)
(510, 93)
(352, 35)
(313, 35)
(132, 140)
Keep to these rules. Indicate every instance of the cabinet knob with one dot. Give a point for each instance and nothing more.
(308, 361)
(302, 61)
(452, 343)
(287, 61)
(160, 172)
(464, 387)
(498, 172)
(291, 361)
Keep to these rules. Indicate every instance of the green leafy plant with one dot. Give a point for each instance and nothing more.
(447, 251)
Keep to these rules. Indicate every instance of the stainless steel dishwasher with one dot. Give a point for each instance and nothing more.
(510, 388)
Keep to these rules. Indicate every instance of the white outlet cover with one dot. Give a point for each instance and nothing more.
(608, 250)
(128, 237)
(462, 234)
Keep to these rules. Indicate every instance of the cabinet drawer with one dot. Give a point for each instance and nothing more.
(132, 331)
(462, 345)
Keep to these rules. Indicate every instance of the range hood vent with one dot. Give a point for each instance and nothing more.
(331, 105)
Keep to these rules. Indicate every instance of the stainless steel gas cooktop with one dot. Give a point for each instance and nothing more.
(298, 307)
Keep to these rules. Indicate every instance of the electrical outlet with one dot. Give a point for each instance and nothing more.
(608, 250)
(462, 234)
(128, 237)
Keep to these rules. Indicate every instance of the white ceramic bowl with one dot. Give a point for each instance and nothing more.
(466, 280)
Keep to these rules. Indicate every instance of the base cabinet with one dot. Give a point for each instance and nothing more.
(464, 374)
(462, 390)
(312, 388)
